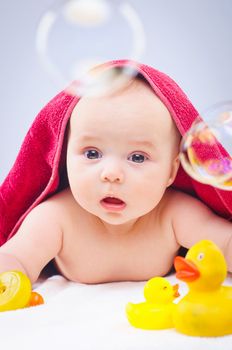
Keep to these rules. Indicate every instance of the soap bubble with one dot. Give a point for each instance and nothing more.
(206, 149)
(75, 35)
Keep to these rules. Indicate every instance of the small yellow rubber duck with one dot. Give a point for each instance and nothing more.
(207, 308)
(16, 291)
(156, 311)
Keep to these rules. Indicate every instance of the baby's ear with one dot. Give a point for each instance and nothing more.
(174, 169)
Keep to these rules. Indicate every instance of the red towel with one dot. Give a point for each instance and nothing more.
(37, 171)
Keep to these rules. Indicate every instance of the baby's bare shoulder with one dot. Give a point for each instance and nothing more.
(55, 206)
(192, 220)
(48, 216)
(176, 200)
(64, 211)
(182, 209)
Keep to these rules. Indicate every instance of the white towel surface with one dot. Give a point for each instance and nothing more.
(84, 317)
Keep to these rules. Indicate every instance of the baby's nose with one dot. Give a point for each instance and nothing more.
(112, 174)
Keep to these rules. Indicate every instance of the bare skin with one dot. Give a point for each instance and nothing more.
(122, 146)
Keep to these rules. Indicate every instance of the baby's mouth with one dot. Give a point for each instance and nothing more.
(113, 203)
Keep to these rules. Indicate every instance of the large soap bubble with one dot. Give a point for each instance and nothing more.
(206, 149)
(75, 35)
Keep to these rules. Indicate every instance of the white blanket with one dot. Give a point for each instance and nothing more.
(78, 316)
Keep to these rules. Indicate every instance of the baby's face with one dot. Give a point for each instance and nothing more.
(121, 153)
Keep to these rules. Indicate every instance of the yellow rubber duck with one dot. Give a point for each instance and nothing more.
(156, 311)
(206, 310)
(16, 291)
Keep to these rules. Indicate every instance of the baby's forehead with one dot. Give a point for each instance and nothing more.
(135, 103)
(132, 112)
(136, 96)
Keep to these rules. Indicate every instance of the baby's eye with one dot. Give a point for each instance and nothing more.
(92, 154)
(137, 158)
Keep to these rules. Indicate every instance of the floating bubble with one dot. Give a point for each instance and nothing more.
(206, 149)
(76, 35)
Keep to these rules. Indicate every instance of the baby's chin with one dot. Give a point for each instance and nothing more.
(116, 218)
(120, 224)
(117, 221)
(113, 219)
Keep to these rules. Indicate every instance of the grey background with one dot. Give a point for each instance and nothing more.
(188, 39)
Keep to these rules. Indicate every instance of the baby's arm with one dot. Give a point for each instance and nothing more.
(193, 221)
(38, 240)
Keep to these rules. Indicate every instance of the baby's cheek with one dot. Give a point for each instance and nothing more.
(83, 188)
(85, 198)
(150, 194)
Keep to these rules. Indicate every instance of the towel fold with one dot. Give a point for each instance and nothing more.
(40, 165)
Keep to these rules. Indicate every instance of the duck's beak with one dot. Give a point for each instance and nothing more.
(176, 293)
(186, 270)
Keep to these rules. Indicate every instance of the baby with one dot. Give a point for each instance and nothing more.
(118, 219)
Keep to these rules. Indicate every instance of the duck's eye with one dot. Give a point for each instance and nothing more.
(165, 287)
(200, 256)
